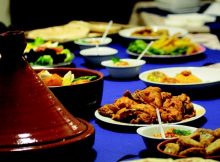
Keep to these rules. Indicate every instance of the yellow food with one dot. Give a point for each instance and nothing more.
(185, 76)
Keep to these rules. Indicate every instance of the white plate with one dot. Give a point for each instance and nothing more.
(126, 33)
(200, 111)
(209, 77)
(201, 51)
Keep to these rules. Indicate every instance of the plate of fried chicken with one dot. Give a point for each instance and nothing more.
(139, 108)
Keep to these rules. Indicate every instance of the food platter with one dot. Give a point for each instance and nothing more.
(127, 33)
(209, 76)
(200, 52)
(200, 111)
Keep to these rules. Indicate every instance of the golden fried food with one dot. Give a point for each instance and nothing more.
(140, 107)
(206, 136)
(213, 147)
(145, 113)
(123, 114)
(216, 132)
(124, 102)
(189, 142)
(201, 143)
(108, 110)
(172, 148)
(193, 151)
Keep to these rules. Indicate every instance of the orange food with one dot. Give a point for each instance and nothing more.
(53, 80)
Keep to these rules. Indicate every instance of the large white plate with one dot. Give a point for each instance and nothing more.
(200, 111)
(126, 33)
(209, 77)
(201, 51)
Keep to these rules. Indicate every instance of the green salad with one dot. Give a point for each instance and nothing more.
(47, 53)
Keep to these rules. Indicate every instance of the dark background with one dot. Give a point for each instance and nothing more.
(29, 14)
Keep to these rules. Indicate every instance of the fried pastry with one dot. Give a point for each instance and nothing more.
(189, 142)
(172, 148)
(193, 151)
(213, 147)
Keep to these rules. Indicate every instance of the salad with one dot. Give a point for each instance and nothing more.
(47, 53)
(166, 46)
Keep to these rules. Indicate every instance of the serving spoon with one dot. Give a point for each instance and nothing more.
(160, 124)
(145, 50)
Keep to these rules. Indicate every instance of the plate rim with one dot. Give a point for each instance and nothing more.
(108, 120)
(180, 69)
(129, 30)
(202, 50)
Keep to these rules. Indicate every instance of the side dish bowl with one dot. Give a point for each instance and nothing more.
(96, 55)
(151, 134)
(80, 99)
(92, 42)
(122, 71)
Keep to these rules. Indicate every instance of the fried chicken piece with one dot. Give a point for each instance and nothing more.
(108, 110)
(170, 115)
(150, 95)
(187, 103)
(145, 113)
(124, 102)
(165, 95)
(124, 115)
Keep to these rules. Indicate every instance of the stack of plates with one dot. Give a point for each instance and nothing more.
(179, 6)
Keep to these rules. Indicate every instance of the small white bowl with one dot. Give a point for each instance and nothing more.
(148, 133)
(91, 42)
(96, 55)
(122, 72)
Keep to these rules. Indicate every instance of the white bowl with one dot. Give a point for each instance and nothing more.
(96, 55)
(148, 132)
(91, 42)
(129, 71)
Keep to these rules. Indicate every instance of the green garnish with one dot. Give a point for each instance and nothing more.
(182, 132)
(115, 59)
(92, 77)
(38, 41)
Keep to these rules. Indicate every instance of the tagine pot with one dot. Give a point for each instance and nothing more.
(34, 125)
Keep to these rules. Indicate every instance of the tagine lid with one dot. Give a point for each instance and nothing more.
(31, 117)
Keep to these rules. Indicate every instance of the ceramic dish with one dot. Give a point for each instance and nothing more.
(161, 146)
(96, 55)
(201, 51)
(92, 42)
(80, 99)
(151, 134)
(126, 33)
(126, 71)
(200, 111)
(209, 77)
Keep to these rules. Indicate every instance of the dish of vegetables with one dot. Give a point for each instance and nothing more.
(47, 53)
(166, 47)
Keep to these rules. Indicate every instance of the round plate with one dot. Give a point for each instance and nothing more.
(209, 77)
(126, 33)
(201, 51)
(200, 111)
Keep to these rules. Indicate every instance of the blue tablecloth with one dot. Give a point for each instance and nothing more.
(114, 143)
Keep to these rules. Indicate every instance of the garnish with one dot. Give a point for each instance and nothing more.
(115, 59)
(182, 132)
